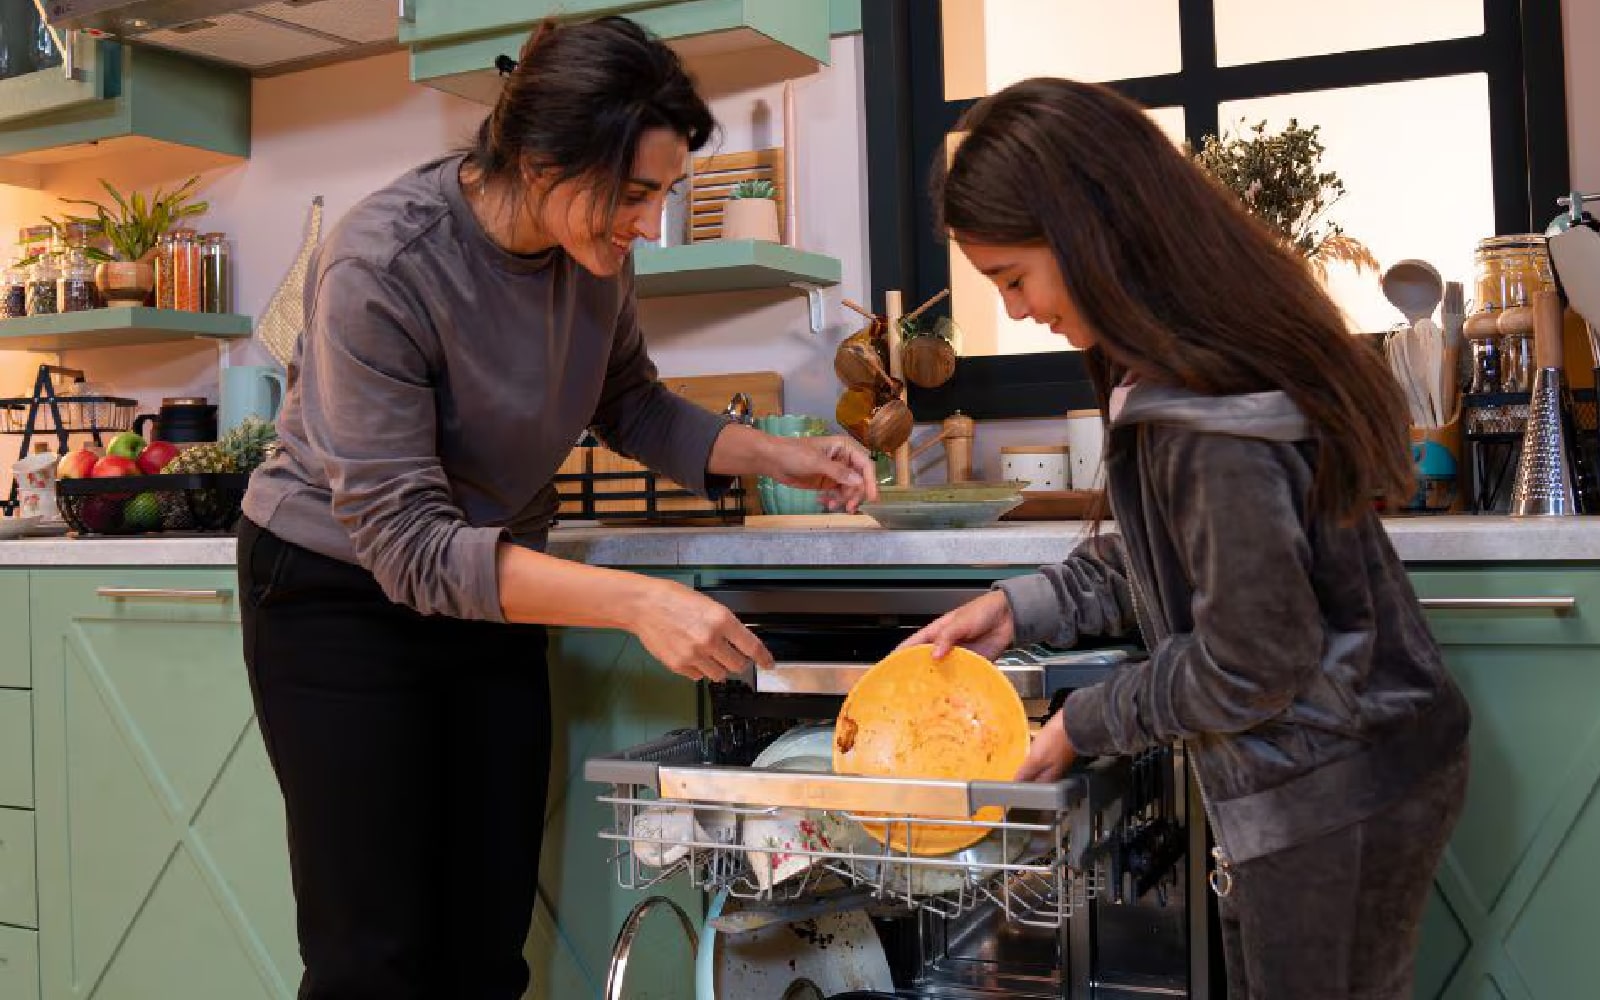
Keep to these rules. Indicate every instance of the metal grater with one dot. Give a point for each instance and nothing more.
(1544, 484)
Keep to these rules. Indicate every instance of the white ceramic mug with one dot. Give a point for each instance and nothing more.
(1086, 438)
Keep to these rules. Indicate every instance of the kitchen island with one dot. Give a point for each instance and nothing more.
(141, 847)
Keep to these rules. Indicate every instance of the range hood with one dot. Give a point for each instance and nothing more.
(265, 38)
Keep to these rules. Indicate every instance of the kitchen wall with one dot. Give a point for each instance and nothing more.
(345, 130)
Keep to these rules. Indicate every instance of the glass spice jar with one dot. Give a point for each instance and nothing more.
(216, 282)
(75, 291)
(42, 286)
(163, 268)
(185, 271)
(14, 291)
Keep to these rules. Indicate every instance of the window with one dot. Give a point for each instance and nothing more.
(1445, 118)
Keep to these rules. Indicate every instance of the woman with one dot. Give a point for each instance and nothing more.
(1247, 433)
(466, 324)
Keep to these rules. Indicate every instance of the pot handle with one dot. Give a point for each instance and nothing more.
(140, 421)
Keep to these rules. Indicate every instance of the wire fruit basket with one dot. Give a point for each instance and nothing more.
(132, 505)
(686, 802)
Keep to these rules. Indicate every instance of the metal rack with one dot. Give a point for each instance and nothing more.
(1492, 426)
(50, 413)
(1041, 860)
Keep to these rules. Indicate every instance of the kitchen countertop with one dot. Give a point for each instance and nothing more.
(1029, 543)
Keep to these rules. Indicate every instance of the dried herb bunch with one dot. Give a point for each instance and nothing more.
(1278, 177)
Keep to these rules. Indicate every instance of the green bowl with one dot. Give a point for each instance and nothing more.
(777, 498)
(792, 425)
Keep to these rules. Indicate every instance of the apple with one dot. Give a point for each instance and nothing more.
(126, 445)
(76, 464)
(155, 457)
(114, 465)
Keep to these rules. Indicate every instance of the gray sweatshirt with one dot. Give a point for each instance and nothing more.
(439, 385)
(1288, 650)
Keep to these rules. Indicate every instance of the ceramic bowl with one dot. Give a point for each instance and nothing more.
(777, 498)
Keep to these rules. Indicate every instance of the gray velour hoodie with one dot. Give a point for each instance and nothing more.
(1287, 650)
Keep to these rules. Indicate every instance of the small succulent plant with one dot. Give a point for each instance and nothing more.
(754, 189)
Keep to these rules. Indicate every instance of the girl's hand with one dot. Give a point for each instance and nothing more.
(1051, 753)
(983, 625)
(837, 466)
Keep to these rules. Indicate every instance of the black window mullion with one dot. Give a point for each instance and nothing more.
(1197, 40)
(1543, 75)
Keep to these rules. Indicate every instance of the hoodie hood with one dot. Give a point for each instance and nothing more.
(1271, 416)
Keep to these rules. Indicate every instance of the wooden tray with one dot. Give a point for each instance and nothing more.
(1054, 505)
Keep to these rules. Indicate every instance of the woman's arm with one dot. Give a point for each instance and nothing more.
(689, 633)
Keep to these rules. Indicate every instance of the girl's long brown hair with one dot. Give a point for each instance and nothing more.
(1181, 285)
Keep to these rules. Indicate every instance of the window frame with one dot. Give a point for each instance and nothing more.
(907, 119)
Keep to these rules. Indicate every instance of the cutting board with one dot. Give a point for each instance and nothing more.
(710, 392)
(809, 522)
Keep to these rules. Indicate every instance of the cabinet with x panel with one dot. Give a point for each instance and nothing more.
(1517, 896)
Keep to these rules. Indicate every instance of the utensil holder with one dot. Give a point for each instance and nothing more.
(1545, 486)
(1437, 454)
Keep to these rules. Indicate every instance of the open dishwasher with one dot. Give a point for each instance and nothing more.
(1089, 888)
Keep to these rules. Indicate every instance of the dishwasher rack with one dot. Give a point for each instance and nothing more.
(1037, 864)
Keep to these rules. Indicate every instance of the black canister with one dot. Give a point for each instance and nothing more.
(182, 420)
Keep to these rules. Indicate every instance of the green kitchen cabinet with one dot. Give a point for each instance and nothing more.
(1517, 897)
(454, 43)
(137, 97)
(607, 693)
(162, 865)
(15, 665)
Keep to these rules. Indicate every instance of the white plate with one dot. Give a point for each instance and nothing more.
(16, 527)
(839, 952)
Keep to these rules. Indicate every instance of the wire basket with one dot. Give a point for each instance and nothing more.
(1033, 865)
(79, 414)
(134, 505)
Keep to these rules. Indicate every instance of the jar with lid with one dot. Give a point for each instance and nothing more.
(75, 290)
(1510, 270)
(163, 268)
(42, 291)
(216, 281)
(185, 270)
(14, 292)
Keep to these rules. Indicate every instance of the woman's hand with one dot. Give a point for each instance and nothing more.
(837, 466)
(694, 636)
(983, 625)
(1051, 752)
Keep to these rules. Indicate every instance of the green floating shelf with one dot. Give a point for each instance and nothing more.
(121, 326)
(728, 266)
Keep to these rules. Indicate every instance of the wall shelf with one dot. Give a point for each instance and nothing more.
(728, 266)
(116, 327)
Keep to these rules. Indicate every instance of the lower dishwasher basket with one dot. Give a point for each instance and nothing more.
(672, 800)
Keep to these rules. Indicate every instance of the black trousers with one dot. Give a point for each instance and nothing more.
(413, 754)
(1339, 918)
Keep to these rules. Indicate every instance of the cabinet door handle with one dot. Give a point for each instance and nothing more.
(1560, 605)
(164, 594)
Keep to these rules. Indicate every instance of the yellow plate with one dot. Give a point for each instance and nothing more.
(912, 716)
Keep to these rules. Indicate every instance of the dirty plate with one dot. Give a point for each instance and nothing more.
(838, 952)
(952, 505)
(913, 716)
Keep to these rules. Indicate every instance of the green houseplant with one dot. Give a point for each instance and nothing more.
(751, 212)
(1280, 180)
(134, 225)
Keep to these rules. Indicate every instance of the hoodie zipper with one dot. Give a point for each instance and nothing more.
(1221, 876)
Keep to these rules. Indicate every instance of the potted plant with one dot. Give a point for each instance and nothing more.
(1278, 177)
(751, 213)
(134, 230)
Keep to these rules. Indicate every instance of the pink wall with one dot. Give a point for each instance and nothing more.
(345, 130)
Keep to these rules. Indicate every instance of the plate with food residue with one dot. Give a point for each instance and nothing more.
(913, 716)
(838, 952)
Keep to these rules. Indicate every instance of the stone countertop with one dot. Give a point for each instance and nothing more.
(1028, 543)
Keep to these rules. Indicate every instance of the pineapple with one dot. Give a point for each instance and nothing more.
(250, 444)
(201, 458)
